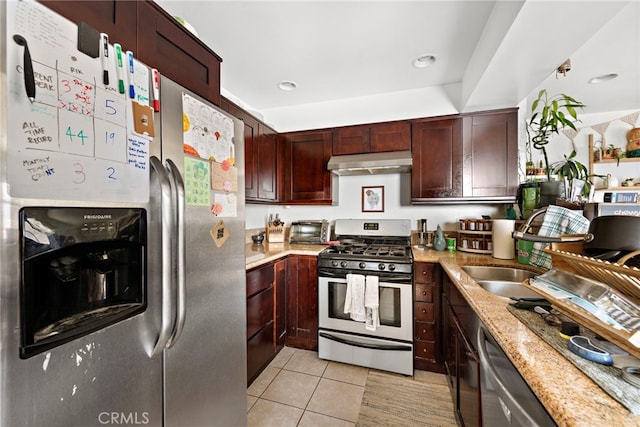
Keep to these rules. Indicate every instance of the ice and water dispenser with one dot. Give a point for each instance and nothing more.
(83, 269)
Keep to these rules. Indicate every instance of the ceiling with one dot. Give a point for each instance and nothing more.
(489, 54)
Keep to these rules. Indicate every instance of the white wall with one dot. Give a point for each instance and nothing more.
(615, 134)
(350, 207)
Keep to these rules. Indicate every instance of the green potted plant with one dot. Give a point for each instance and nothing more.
(549, 115)
(571, 169)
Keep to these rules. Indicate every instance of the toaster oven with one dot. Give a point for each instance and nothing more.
(310, 232)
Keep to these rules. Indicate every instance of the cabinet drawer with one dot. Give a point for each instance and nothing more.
(425, 350)
(424, 312)
(259, 311)
(424, 331)
(423, 292)
(260, 351)
(259, 279)
(424, 272)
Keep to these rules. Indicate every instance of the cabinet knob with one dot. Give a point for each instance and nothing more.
(424, 292)
(424, 310)
(424, 331)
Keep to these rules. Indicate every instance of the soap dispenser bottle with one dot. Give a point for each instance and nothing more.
(439, 244)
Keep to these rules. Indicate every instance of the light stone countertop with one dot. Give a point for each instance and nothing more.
(571, 397)
(266, 252)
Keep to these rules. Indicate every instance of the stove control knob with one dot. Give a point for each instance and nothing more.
(334, 263)
(343, 264)
(381, 266)
(362, 265)
(392, 267)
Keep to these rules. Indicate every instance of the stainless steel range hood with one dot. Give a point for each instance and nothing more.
(371, 163)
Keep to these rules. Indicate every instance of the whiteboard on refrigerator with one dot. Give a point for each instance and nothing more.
(74, 140)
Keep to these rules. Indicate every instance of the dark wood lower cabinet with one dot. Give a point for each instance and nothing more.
(302, 302)
(282, 308)
(280, 271)
(427, 341)
(260, 320)
(259, 352)
(461, 359)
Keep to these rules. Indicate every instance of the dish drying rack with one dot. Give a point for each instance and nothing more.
(620, 279)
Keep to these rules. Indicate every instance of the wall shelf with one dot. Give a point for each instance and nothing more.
(623, 160)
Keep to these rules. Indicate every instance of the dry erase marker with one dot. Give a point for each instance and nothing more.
(119, 67)
(156, 89)
(104, 53)
(131, 71)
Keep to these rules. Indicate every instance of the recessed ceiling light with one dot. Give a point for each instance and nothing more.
(287, 85)
(424, 61)
(603, 78)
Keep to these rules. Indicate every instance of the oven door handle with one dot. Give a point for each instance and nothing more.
(342, 275)
(365, 345)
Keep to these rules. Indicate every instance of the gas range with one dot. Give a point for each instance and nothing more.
(370, 246)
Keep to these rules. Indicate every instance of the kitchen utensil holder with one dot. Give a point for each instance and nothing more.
(275, 233)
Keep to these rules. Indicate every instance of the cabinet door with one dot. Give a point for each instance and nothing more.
(116, 18)
(468, 367)
(267, 164)
(302, 302)
(393, 136)
(307, 180)
(176, 53)
(350, 140)
(490, 153)
(280, 268)
(251, 137)
(436, 147)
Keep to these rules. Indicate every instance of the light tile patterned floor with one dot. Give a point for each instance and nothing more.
(299, 389)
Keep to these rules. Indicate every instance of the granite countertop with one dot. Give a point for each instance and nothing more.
(571, 397)
(266, 252)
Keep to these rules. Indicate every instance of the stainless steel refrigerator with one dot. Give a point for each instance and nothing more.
(122, 275)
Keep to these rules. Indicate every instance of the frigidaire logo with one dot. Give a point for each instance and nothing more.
(123, 418)
(105, 216)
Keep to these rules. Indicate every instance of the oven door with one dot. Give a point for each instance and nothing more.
(395, 307)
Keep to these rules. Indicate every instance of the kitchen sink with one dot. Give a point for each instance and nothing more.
(502, 281)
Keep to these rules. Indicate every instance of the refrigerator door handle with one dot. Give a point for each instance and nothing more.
(179, 202)
(167, 212)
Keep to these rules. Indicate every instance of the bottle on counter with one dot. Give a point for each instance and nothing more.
(439, 242)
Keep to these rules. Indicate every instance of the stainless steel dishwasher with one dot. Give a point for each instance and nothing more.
(507, 399)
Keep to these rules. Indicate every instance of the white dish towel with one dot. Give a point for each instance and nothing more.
(354, 298)
(371, 303)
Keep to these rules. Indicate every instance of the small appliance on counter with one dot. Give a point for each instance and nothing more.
(310, 232)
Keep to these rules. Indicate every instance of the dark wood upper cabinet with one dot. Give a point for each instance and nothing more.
(261, 152)
(307, 180)
(154, 37)
(392, 136)
(490, 154)
(116, 18)
(375, 138)
(176, 53)
(267, 167)
(436, 147)
(350, 140)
